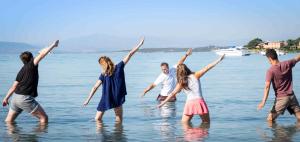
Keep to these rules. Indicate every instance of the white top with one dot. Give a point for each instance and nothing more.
(168, 81)
(195, 91)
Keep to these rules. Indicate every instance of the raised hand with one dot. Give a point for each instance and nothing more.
(45, 51)
(55, 43)
(189, 52)
(141, 41)
(222, 57)
(132, 51)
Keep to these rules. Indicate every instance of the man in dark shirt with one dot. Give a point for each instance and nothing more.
(280, 75)
(25, 88)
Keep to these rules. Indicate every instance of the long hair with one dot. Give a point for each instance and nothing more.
(107, 65)
(182, 75)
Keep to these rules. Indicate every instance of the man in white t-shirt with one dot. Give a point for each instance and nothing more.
(167, 78)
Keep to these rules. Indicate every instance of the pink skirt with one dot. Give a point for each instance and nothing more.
(197, 106)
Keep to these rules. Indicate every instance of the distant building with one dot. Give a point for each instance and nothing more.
(271, 45)
(298, 47)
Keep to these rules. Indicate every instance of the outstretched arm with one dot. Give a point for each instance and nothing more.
(44, 52)
(148, 89)
(266, 94)
(188, 53)
(297, 58)
(174, 92)
(93, 91)
(127, 58)
(9, 93)
(200, 73)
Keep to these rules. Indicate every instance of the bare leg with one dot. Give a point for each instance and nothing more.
(11, 116)
(119, 114)
(99, 116)
(186, 118)
(271, 124)
(297, 114)
(41, 115)
(99, 127)
(272, 117)
(11, 128)
(41, 128)
(205, 118)
(186, 126)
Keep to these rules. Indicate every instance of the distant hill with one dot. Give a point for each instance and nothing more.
(197, 49)
(15, 47)
(102, 42)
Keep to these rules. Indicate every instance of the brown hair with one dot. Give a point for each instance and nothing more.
(182, 75)
(107, 65)
(271, 53)
(26, 57)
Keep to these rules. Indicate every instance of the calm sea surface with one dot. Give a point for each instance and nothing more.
(232, 91)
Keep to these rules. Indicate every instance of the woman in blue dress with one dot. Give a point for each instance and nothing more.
(113, 83)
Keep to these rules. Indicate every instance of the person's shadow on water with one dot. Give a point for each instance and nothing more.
(15, 133)
(195, 133)
(117, 134)
(280, 133)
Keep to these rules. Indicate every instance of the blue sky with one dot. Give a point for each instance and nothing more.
(172, 22)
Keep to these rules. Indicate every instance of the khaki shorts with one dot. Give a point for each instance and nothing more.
(282, 103)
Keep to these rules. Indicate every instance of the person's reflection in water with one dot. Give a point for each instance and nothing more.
(116, 134)
(281, 133)
(14, 132)
(168, 110)
(167, 122)
(192, 133)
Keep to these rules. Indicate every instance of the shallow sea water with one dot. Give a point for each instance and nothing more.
(232, 91)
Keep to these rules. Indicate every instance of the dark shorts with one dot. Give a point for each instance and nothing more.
(162, 98)
(282, 103)
(27, 103)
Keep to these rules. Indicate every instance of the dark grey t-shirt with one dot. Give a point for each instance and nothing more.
(28, 78)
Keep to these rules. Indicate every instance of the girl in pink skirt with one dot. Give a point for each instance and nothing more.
(189, 82)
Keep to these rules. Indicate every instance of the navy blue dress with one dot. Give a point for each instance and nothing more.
(113, 89)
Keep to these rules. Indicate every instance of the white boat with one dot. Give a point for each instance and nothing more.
(232, 52)
(263, 53)
(279, 53)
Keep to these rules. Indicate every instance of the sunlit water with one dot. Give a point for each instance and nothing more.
(232, 91)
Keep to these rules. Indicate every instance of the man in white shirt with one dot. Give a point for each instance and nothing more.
(167, 78)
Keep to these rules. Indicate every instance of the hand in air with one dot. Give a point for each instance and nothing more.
(55, 43)
(189, 52)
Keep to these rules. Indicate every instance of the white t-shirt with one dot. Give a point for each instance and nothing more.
(195, 91)
(168, 81)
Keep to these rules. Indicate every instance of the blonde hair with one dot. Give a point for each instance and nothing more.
(182, 75)
(107, 65)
